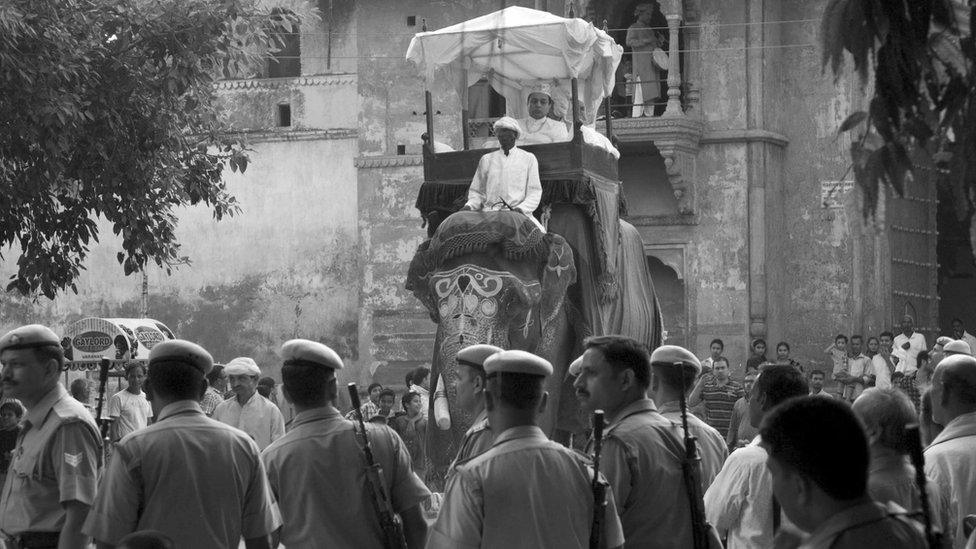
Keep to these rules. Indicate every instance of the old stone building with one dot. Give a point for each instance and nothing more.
(739, 186)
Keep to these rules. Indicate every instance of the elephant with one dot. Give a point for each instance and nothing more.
(496, 278)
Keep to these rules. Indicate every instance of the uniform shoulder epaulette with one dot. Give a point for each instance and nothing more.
(70, 410)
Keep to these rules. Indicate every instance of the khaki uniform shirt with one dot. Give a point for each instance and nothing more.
(711, 444)
(867, 525)
(477, 440)
(526, 491)
(198, 481)
(643, 465)
(56, 461)
(317, 473)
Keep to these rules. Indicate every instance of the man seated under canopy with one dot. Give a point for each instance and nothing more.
(507, 179)
(539, 128)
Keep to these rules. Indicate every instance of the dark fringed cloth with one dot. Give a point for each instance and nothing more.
(474, 232)
(597, 196)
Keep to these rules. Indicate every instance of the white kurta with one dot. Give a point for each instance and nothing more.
(543, 130)
(502, 179)
(908, 358)
(950, 462)
(882, 376)
(259, 417)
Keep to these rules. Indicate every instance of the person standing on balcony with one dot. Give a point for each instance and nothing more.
(643, 40)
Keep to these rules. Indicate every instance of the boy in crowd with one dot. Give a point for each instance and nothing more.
(128, 409)
(883, 363)
(385, 411)
(851, 379)
(817, 384)
(371, 405)
(412, 428)
(837, 352)
(716, 347)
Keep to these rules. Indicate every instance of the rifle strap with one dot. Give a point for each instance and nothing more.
(776, 514)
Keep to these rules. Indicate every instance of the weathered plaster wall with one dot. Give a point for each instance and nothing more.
(717, 284)
(317, 102)
(286, 266)
(825, 258)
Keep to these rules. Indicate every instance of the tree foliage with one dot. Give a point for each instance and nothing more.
(922, 111)
(109, 110)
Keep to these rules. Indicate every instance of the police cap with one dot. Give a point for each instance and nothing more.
(475, 355)
(517, 362)
(576, 366)
(296, 351)
(671, 355)
(30, 336)
(179, 350)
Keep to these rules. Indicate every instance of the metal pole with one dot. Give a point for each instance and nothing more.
(430, 119)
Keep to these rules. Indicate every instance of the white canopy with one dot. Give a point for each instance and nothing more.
(516, 48)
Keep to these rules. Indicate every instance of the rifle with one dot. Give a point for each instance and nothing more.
(390, 523)
(103, 424)
(691, 469)
(914, 441)
(599, 486)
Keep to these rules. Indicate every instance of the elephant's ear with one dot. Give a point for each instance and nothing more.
(418, 280)
(558, 274)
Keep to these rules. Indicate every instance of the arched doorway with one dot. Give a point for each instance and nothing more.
(670, 289)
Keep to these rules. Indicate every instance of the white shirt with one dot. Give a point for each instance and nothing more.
(259, 417)
(543, 130)
(971, 340)
(512, 178)
(950, 462)
(740, 500)
(908, 358)
(879, 367)
(131, 412)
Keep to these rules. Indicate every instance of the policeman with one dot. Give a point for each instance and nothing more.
(471, 398)
(675, 369)
(525, 491)
(825, 492)
(51, 481)
(316, 469)
(642, 452)
(194, 479)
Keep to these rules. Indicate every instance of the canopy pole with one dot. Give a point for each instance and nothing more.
(464, 109)
(606, 113)
(577, 123)
(429, 103)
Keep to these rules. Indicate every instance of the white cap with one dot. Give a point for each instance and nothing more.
(242, 366)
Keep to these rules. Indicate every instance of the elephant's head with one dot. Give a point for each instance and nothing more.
(489, 277)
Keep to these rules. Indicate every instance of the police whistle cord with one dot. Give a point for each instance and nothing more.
(691, 469)
(599, 486)
(914, 441)
(103, 424)
(390, 523)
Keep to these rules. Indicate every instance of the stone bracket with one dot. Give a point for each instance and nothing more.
(677, 138)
